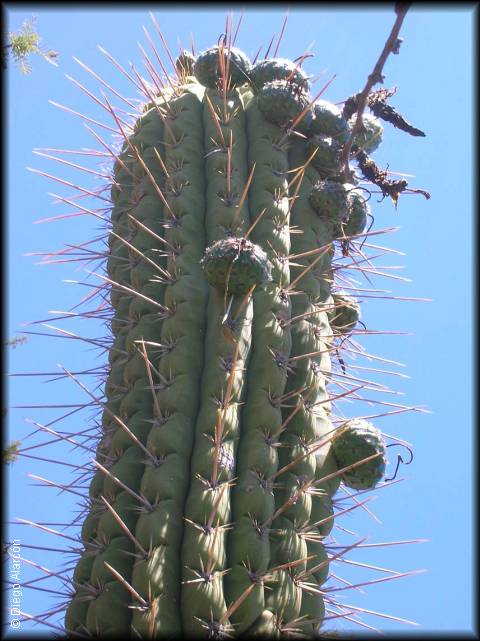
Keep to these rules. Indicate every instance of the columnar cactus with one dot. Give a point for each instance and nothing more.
(219, 458)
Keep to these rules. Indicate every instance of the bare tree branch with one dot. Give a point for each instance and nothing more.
(391, 46)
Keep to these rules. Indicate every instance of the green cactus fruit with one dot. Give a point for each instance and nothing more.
(273, 69)
(345, 314)
(355, 441)
(372, 135)
(328, 121)
(281, 103)
(208, 67)
(235, 265)
(185, 63)
(327, 154)
(330, 200)
(359, 212)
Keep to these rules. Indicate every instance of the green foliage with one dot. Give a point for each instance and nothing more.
(24, 43)
(10, 453)
(17, 340)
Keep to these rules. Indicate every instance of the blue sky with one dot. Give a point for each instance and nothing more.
(434, 76)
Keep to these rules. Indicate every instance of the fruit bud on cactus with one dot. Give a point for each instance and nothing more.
(328, 121)
(212, 65)
(354, 442)
(273, 69)
(345, 314)
(325, 153)
(280, 103)
(185, 63)
(358, 212)
(330, 200)
(371, 134)
(236, 265)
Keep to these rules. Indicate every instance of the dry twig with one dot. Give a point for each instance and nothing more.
(391, 46)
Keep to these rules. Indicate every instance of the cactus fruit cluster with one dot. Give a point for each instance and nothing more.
(218, 461)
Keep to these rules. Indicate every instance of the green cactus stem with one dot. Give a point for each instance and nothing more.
(303, 425)
(212, 501)
(116, 446)
(165, 483)
(207, 511)
(253, 505)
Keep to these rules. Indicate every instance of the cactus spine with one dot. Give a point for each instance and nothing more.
(216, 468)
